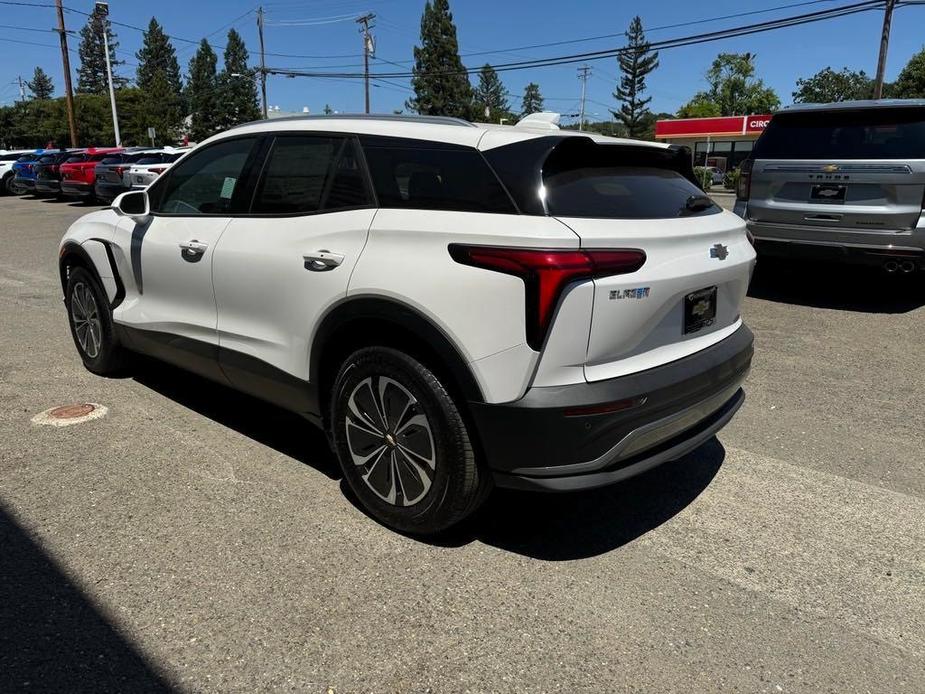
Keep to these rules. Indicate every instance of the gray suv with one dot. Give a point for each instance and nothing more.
(841, 182)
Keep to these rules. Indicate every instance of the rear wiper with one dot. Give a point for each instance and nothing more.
(698, 203)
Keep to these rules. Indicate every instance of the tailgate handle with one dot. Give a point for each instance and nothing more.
(823, 217)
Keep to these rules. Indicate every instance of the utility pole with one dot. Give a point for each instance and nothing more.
(22, 89)
(368, 48)
(104, 8)
(65, 59)
(263, 65)
(884, 45)
(583, 73)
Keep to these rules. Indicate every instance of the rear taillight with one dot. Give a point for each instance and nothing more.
(157, 171)
(744, 184)
(546, 273)
(120, 170)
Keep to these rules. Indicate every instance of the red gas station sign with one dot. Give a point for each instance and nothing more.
(703, 127)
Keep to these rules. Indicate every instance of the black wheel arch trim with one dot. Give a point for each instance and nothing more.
(374, 307)
(74, 248)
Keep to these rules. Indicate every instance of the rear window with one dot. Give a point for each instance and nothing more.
(27, 157)
(883, 133)
(433, 176)
(150, 160)
(76, 159)
(617, 182)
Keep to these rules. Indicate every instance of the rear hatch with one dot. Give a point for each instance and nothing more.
(856, 169)
(688, 293)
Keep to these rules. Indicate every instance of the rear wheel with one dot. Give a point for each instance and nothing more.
(402, 444)
(11, 187)
(90, 319)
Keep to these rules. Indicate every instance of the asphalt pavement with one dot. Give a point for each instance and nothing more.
(194, 539)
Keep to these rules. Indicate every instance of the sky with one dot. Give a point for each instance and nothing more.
(325, 33)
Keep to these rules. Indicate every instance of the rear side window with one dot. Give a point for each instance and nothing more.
(77, 158)
(881, 133)
(428, 176)
(310, 173)
(617, 182)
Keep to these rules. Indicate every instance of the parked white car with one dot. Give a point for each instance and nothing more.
(457, 305)
(145, 171)
(7, 159)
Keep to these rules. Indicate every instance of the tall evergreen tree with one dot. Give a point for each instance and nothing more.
(41, 85)
(441, 87)
(490, 97)
(532, 101)
(91, 77)
(157, 55)
(202, 93)
(237, 87)
(636, 62)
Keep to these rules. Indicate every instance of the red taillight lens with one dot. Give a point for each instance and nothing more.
(744, 184)
(545, 274)
(120, 170)
(157, 171)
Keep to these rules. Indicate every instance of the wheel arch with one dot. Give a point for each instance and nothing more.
(98, 259)
(347, 326)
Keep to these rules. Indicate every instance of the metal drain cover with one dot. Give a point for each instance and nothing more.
(74, 413)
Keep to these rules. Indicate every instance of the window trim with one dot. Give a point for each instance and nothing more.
(246, 172)
(272, 137)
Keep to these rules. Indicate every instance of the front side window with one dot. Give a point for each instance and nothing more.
(310, 173)
(426, 176)
(206, 182)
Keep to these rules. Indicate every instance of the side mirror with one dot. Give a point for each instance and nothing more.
(134, 204)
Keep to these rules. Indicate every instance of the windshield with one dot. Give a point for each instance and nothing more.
(882, 133)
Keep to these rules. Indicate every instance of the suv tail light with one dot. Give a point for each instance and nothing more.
(120, 170)
(744, 184)
(545, 274)
(157, 170)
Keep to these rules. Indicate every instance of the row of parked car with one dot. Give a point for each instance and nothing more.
(93, 174)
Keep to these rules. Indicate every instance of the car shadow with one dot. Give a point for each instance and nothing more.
(834, 286)
(52, 636)
(267, 424)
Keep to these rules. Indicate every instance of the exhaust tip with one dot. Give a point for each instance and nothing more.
(907, 266)
(891, 266)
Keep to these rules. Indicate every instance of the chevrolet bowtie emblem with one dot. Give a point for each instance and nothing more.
(830, 168)
(719, 251)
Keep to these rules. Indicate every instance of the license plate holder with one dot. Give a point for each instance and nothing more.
(699, 310)
(828, 193)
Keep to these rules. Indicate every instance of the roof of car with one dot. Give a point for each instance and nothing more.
(434, 128)
(855, 105)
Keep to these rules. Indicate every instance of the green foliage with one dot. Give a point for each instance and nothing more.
(41, 85)
(731, 179)
(328, 110)
(202, 93)
(828, 86)
(158, 78)
(157, 57)
(911, 81)
(491, 95)
(733, 90)
(441, 87)
(91, 77)
(635, 64)
(704, 177)
(237, 89)
(532, 101)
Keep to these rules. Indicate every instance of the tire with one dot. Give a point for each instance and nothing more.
(90, 319)
(423, 439)
(10, 187)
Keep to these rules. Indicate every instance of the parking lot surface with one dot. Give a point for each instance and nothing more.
(196, 539)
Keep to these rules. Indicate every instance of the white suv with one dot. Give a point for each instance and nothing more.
(458, 305)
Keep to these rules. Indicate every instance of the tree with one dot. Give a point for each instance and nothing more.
(699, 107)
(202, 93)
(532, 101)
(328, 110)
(635, 64)
(157, 55)
(828, 86)
(41, 85)
(91, 77)
(911, 81)
(237, 88)
(441, 86)
(734, 89)
(491, 96)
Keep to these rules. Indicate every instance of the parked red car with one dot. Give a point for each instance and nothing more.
(78, 173)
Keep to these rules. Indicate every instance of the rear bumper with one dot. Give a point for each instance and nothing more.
(841, 245)
(43, 185)
(25, 182)
(109, 191)
(76, 189)
(532, 444)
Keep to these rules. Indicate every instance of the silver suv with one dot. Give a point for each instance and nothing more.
(841, 182)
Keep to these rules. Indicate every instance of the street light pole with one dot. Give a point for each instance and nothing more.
(104, 7)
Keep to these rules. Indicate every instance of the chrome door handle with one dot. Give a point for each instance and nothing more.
(193, 247)
(321, 261)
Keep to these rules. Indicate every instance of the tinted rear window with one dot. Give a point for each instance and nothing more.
(27, 157)
(430, 176)
(76, 158)
(617, 182)
(887, 133)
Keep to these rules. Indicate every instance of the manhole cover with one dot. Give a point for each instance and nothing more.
(65, 415)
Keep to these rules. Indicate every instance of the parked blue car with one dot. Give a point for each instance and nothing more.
(24, 172)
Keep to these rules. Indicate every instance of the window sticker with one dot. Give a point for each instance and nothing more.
(228, 187)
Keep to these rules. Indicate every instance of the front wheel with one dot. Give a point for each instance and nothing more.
(90, 319)
(402, 444)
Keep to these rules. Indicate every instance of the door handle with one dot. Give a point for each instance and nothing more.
(193, 247)
(322, 261)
